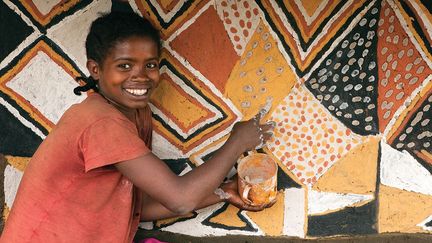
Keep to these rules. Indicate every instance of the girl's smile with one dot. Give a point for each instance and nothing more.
(129, 73)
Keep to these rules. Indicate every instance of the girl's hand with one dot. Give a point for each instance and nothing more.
(231, 188)
(249, 135)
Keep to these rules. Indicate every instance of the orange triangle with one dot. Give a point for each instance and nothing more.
(229, 218)
(311, 5)
(354, 173)
(270, 220)
(401, 211)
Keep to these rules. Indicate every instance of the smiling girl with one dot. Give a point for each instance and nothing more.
(94, 177)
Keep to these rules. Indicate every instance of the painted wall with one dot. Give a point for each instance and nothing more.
(350, 84)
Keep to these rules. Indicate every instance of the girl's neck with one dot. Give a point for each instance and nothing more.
(129, 113)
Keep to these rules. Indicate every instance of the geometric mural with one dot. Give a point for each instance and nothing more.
(349, 84)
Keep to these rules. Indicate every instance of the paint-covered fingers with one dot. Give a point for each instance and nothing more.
(265, 132)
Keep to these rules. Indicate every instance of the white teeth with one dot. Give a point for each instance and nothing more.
(137, 91)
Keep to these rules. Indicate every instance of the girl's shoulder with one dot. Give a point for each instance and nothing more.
(91, 109)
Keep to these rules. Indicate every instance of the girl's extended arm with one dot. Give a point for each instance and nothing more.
(153, 210)
(182, 194)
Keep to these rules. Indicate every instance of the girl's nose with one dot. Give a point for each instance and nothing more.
(141, 75)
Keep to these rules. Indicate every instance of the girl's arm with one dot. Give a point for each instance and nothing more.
(153, 210)
(182, 194)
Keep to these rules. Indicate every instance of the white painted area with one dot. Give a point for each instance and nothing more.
(403, 171)
(323, 202)
(194, 227)
(71, 32)
(424, 222)
(45, 6)
(12, 179)
(46, 86)
(163, 149)
(294, 214)
(25, 122)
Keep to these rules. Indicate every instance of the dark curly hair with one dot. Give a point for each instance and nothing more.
(107, 31)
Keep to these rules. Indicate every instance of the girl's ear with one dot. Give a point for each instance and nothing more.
(94, 69)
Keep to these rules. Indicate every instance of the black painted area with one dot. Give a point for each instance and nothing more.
(415, 136)
(15, 138)
(348, 221)
(429, 224)
(427, 4)
(285, 181)
(177, 165)
(13, 30)
(346, 82)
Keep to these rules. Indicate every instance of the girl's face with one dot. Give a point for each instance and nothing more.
(129, 73)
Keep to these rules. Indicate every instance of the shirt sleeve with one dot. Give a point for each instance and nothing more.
(109, 141)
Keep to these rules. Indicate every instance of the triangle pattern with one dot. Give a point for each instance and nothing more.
(355, 172)
(312, 15)
(426, 224)
(228, 217)
(405, 216)
(311, 7)
(401, 170)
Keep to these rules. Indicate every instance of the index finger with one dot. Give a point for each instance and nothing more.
(264, 109)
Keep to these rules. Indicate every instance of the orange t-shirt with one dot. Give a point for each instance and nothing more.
(70, 191)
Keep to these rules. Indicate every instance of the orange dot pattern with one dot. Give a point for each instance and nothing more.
(307, 139)
(240, 19)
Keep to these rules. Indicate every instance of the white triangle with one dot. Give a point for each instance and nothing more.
(424, 222)
(403, 171)
(322, 202)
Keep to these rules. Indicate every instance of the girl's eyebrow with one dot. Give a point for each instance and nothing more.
(133, 59)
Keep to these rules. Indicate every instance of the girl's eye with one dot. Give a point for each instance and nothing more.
(125, 66)
(152, 65)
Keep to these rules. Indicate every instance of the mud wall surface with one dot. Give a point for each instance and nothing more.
(349, 82)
